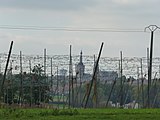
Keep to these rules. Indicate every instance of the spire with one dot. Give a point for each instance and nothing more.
(81, 57)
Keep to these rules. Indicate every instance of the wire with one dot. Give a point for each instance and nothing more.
(69, 29)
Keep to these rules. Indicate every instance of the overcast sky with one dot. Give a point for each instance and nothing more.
(80, 14)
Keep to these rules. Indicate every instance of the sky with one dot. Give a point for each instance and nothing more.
(84, 24)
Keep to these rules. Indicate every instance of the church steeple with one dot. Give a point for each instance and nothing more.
(81, 57)
(80, 67)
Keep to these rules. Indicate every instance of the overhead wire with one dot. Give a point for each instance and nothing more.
(69, 29)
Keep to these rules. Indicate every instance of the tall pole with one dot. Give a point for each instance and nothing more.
(121, 84)
(152, 28)
(21, 82)
(150, 68)
(70, 75)
(5, 72)
(94, 74)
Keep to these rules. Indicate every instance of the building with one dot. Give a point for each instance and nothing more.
(103, 76)
(80, 68)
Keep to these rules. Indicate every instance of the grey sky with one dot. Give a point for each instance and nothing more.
(76, 14)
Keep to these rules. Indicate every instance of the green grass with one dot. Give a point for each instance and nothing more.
(80, 114)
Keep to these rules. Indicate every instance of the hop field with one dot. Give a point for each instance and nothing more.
(79, 114)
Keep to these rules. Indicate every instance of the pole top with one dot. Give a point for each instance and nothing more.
(152, 28)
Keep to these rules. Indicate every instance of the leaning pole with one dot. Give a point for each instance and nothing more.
(94, 73)
(5, 72)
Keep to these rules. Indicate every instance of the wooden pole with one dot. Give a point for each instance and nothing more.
(70, 75)
(5, 72)
(94, 73)
(121, 84)
(21, 82)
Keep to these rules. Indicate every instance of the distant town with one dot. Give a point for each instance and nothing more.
(56, 73)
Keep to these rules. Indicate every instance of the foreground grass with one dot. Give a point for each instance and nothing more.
(80, 114)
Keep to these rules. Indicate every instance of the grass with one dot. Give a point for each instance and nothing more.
(122, 114)
(80, 114)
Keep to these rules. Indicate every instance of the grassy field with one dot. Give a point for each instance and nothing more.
(80, 114)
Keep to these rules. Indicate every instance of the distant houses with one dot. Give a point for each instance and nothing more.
(81, 76)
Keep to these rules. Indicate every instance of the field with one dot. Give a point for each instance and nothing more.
(80, 114)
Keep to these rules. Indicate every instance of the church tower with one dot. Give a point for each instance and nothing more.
(80, 68)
